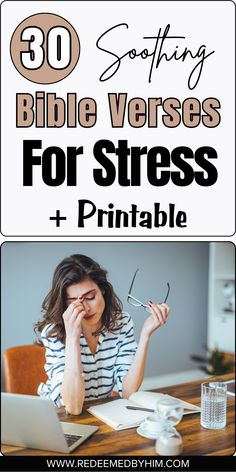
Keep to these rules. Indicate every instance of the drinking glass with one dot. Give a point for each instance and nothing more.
(213, 405)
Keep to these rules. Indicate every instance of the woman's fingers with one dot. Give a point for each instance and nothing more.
(71, 307)
(160, 312)
(73, 310)
(166, 307)
(156, 313)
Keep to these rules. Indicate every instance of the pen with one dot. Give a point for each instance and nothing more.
(137, 408)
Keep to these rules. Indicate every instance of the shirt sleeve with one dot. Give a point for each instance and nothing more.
(126, 352)
(54, 367)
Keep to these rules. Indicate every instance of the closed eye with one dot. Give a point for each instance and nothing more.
(71, 300)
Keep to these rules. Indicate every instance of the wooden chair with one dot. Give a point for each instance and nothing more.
(24, 368)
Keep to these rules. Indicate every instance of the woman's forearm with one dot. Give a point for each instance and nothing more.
(157, 318)
(134, 377)
(73, 389)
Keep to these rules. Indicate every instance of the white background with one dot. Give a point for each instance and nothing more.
(210, 210)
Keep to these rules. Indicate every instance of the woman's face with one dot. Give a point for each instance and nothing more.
(92, 301)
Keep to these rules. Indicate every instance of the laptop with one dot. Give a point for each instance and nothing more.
(32, 422)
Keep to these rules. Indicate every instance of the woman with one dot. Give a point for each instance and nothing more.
(89, 341)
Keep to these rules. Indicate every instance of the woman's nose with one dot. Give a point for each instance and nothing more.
(86, 305)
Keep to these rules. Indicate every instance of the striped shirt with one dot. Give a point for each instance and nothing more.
(113, 358)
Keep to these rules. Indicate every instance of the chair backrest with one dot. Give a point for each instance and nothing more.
(24, 368)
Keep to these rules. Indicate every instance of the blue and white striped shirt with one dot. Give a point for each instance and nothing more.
(113, 358)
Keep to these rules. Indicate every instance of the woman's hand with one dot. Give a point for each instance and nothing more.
(73, 317)
(157, 318)
(73, 389)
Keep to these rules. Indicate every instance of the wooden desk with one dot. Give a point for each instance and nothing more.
(197, 441)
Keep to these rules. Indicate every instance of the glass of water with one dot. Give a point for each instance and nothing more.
(213, 405)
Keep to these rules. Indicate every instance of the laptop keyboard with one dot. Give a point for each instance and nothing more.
(71, 438)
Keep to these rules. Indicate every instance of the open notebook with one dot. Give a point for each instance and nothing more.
(116, 415)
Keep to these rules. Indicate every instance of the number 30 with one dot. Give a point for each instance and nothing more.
(57, 50)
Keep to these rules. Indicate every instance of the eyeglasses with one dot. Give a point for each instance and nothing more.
(135, 302)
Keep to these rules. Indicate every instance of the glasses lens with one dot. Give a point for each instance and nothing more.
(147, 309)
(133, 302)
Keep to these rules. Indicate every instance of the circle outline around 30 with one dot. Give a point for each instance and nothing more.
(31, 16)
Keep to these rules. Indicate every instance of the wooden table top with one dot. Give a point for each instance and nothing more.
(197, 441)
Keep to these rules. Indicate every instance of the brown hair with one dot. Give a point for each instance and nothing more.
(71, 270)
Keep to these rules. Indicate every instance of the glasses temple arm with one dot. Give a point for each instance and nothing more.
(132, 283)
(168, 291)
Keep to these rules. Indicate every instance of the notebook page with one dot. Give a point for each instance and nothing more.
(150, 399)
(116, 415)
(146, 399)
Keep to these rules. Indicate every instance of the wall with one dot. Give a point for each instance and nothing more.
(26, 277)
